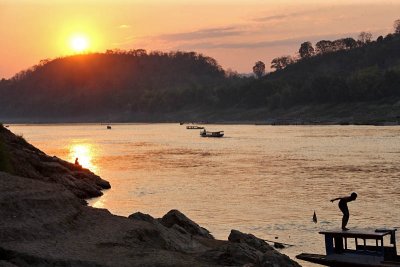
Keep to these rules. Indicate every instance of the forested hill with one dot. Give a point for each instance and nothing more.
(139, 86)
(109, 85)
(365, 73)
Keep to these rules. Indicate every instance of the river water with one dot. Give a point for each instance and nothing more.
(265, 180)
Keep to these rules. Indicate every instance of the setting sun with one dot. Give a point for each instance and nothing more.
(79, 43)
(84, 153)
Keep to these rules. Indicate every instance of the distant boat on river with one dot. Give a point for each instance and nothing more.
(194, 127)
(206, 133)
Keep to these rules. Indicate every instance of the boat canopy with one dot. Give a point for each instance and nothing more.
(361, 248)
(336, 241)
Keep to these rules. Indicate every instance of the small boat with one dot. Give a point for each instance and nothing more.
(108, 127)
(205, 133)
(194, 127)
(357, 248)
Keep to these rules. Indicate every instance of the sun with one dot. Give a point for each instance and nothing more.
(79, 43)
(85, 153)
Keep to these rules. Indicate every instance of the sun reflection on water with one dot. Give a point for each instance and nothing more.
(85, 154)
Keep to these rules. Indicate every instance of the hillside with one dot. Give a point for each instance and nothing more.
(368, 73)
(139, 86)
(100, 86)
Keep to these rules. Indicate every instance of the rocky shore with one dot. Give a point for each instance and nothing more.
(45, 221)
(27, 161)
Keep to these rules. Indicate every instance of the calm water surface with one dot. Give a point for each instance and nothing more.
(267, 180)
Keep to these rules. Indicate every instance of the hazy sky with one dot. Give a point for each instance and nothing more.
(236, 33)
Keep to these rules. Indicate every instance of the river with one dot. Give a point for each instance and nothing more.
(265, 180)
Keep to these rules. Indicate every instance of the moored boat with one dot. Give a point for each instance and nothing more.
(358, 248)
(194, 127)
(206, 133)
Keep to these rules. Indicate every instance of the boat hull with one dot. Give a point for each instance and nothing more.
(194, 127)
(212, 135)
(326, 261)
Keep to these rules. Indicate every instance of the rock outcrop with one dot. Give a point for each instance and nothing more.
(45, 222)
(28, 161)
(249, 239)
(247, 250)
(175, 218)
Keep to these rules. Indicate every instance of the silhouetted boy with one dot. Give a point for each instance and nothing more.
(343, 207)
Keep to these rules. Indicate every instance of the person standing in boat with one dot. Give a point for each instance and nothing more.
(344, 209)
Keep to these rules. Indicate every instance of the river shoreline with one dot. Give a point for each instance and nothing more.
(46, 222)
(379, 113)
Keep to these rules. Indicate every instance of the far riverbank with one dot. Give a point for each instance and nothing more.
(379, 113)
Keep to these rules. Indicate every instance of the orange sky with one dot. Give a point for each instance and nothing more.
(236, 33)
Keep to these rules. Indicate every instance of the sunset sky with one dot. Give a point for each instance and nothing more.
(236, 33)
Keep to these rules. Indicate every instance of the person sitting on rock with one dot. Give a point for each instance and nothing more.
(343, 207)
(77, 162)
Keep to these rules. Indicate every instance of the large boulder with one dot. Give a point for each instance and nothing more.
(242, 254)
(172, 237)
(139, 216)
(175, 217)
(249, 239)
(274, 258)
(267, 256)
(234, 254)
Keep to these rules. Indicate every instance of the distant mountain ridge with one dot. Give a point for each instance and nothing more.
(139, 86)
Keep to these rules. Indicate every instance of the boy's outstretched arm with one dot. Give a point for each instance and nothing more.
(333, 199)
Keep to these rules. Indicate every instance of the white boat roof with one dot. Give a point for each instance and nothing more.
(359, 233)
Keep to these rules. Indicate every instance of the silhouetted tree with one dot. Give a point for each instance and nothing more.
(324, 46)
(137, 52)
(389, 37)
(280, 63)
(231, 73)
(306, 50)
(259, 69)
(396, 26)
(365, 37)
(338, 45)
(349, 43)
(343, 44)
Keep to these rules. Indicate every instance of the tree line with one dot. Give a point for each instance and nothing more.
(322, 47)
